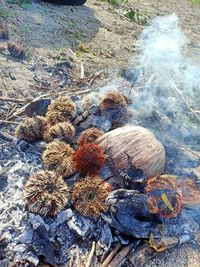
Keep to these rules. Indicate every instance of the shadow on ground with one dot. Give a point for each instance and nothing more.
(47, 25)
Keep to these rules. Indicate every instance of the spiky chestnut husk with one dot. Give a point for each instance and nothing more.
(164, 196)
(91, 99)
(46, 193)
(58, 156)
(31, 129)
(114, 107)
(89, 194)
(113, 100)
(89, 136)
(61, 130)
(61, 109)
(89, 159)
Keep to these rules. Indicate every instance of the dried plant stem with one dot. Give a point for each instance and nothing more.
(78, 263)
(9, 122)
(119, 258)
(26, 100)
(72, 93)
(14, 100)
(110, 256)
(7, 136)
(90, 255)
(10, 114)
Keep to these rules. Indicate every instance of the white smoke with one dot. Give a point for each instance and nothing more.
(166, 75)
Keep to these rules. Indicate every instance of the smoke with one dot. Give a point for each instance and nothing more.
(168, 82)
(166, 92)
(162, 64)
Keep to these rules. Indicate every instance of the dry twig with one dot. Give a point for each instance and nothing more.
(110, 256)
(7, 136)
(120, 257)
(14, 100)
(90, 255)
(20, 111)
(9, 122)
(78, 263)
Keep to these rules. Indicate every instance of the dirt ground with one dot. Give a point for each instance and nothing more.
(95, 34)
(99, 37)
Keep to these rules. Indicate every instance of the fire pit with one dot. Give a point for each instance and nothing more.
(111, 178)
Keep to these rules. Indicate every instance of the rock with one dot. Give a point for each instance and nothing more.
(37, 107)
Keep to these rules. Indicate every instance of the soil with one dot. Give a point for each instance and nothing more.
(99, 37)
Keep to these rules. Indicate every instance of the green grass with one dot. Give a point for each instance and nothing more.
(4, 13)
(116, 2)
(25, 4)
(195, 1)
(72, 25)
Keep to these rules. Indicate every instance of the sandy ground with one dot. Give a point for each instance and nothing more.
(98, 37)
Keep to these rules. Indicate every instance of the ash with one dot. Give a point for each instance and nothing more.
(27, 237)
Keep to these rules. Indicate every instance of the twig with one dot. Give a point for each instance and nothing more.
(9, 122)
(78, 264)
(110, 256)
(4, 83)
(10, 114)
(121, 15)
(83, 80)
(14, 100)
(138, 11)
(90, 255)
(7, 136)
(117, 260)
(77, 92)
(93, 77)
(82, 71)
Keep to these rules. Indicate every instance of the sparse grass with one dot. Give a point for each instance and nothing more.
(4, 13)
(61, 55)
(195, 1)
(26, 4)
(72, 25)
(134, 15)
(116, 2)
(130, 13)
(79, 35)
(27, 29)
